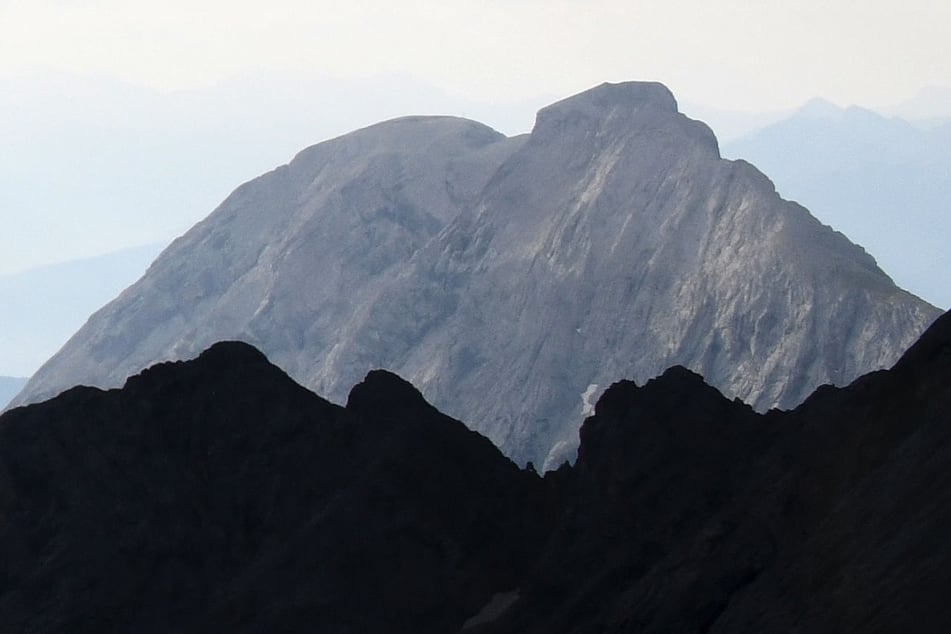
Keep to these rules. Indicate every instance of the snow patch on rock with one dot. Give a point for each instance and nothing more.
(587, 402)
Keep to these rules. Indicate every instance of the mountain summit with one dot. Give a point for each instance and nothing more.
(512, 279)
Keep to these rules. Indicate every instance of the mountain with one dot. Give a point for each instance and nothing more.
(165, 506)
(42, 307)
(884, 182)
(134, 165)
(217, 494)
(9, 387)
(611, 241)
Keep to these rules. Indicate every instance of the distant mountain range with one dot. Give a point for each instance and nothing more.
(218, 495)
(512, 279)
(884, 182)
(43, 307)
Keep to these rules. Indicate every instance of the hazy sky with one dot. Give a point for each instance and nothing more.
(124, 122)
(739, 54)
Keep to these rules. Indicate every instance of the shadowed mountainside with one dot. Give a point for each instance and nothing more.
(218, 494)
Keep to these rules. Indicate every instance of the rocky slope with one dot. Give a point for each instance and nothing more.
(216, 494)
(611, 241)
(688, 512)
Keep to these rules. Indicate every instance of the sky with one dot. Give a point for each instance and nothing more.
(123, 122)
(736, 54)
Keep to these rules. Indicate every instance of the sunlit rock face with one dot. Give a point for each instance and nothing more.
(513, 279)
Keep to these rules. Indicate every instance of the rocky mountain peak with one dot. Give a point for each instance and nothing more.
(669, 414)
(599, 102)
(402, 135)
(512, 280)
(223, 360)
(674, 379)
(933, 349)
(383, 391)
(610, 111)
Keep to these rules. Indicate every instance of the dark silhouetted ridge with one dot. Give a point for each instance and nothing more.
(384, 391)
(218, 495)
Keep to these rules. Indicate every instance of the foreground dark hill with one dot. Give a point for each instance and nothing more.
(612, 241)
(218, 495)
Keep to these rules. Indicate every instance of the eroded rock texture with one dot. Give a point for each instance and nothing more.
(513, 279)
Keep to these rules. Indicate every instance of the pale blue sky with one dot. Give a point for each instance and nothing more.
(124, 122)
(740, 54)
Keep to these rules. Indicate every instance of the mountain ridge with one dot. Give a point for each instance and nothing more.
(883, 181)
(611, 241)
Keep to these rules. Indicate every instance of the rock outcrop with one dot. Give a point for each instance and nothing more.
(512, 280)
(882, 181)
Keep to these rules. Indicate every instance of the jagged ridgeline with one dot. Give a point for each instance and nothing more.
(217, 495)
(513, 279)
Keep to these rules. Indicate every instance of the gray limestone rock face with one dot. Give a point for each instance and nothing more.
(513, 279)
